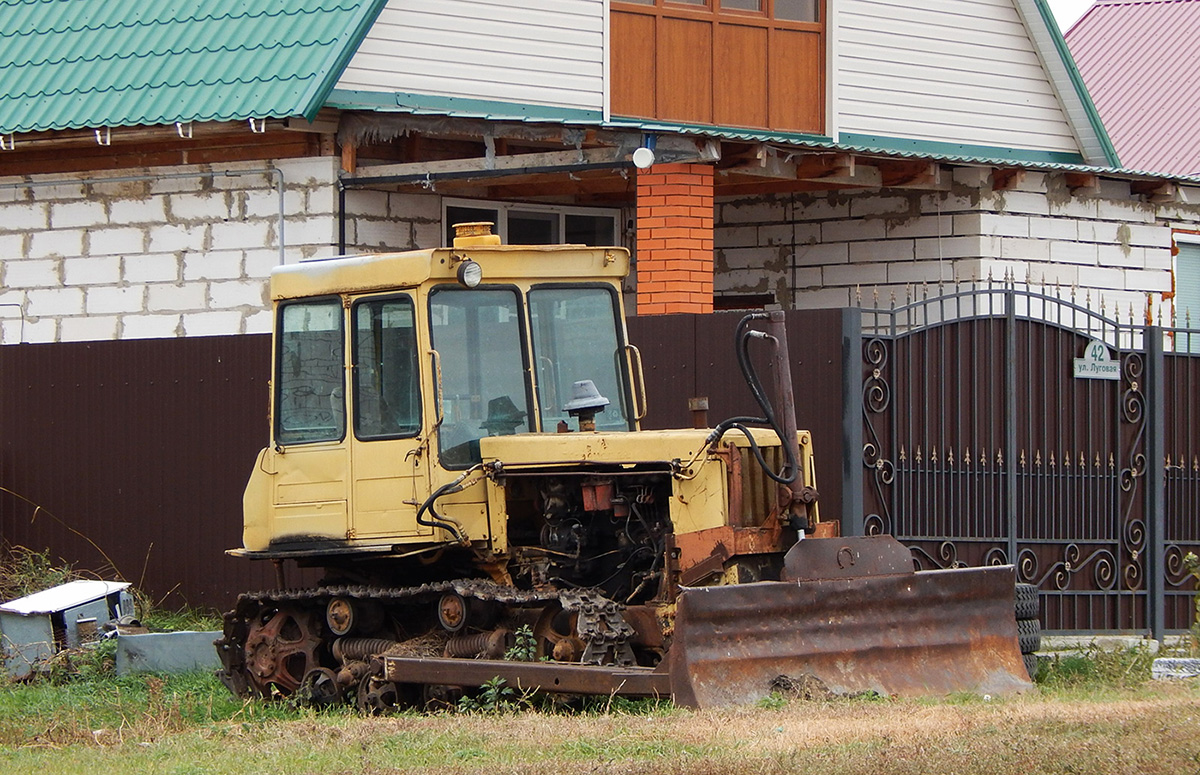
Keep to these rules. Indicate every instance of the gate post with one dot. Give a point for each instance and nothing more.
(1010, 420)
(1155, 482)
(852, 423)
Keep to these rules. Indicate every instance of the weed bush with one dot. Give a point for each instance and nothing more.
(1096, 668)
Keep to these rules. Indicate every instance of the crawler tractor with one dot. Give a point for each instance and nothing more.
(455, 443)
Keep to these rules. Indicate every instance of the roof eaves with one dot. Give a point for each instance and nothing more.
(1068, 82)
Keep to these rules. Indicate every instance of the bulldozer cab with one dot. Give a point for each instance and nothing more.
(390, 369)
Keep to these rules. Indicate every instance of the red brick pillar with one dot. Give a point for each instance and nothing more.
(675, 239)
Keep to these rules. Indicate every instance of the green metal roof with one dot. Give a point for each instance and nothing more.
(71, 64)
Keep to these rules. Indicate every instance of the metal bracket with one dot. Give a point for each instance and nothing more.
(7, 142)
(104, 137)
(258, 125)
(184, 129)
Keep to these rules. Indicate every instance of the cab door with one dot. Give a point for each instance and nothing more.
(310, 461)
(389, 456)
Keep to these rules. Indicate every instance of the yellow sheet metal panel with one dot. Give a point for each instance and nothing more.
(517, 264)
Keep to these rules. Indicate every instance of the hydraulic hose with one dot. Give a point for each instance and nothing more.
(437, 520)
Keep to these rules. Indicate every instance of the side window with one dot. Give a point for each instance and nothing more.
(1187, 297)
(310, 400)
(387, 389)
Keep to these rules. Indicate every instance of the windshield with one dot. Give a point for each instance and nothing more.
(477, 334)
(575, 338)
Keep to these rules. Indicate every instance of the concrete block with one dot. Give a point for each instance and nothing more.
(220, 323)
(149, 210)
(215, 265)
(372, 234)
(923, 226)
(1124, 210)
(991, 224)
(425, 207)
(244, 235)
(817, 208)
(1110, 188)
(207, 206)
(1147, 281)
(259, 263)
(116, 242)
(735, 237)
(12, 247)
(24, 216)
(822, 253)
(853, 230)
(54, 302)
(310, 171)
(756, 210)
(862, 206)
(63, 190)
(94, 270)
(789, 233)
(168, 238)
(265, 203)
(113, 300)
(1074, 253)
(1066, 275)
(1021, 202)
(957, 247)
(1082, 208)
(884, 250)
(1033, 182)
(1159, 259)
(60, 242)
(1066, 229)
(1174, 668)
(87, 329)
(323, 200)
(824, 298)
(179, 185)
(244, 293)
(368, 204)
(1024, 249)
(119, 189)
(1152, 236)
(972, 177)
(151, 268)
(744, 258)
(309, 231)
(258, 323)
(855, 274)
(426, 235)
(69, 215)
(166, 652)
(1117, 255)
(917, 272)
(1102, 277)
(188, 296)
(808, 277)
(149, 326)
(40, 331)
(33, 273)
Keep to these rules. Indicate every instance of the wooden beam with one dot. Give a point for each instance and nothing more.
(1005, 178)
(485, 164)
(1157, 191)
(1082, 181)
(913, 174)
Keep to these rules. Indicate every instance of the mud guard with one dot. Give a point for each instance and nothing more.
(915, 633)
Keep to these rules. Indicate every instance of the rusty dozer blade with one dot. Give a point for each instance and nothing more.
(894, 633)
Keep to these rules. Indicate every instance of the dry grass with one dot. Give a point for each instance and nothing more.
(1155, 728)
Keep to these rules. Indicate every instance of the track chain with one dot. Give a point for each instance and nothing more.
(600, 624)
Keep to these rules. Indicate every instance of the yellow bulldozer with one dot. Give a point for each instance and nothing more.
(455, 443)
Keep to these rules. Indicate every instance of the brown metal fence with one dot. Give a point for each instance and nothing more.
(955, 423)
(129, 458)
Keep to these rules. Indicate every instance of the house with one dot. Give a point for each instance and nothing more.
(1141, 64)
(157, 161)
(805, 151)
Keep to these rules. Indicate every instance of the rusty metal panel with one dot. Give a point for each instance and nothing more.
(128, 458)
(562, 677)
(929, 633)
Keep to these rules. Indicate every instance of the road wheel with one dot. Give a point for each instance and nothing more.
(1027, 601)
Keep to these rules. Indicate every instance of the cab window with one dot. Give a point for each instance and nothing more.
(310, 401)
(387, 389)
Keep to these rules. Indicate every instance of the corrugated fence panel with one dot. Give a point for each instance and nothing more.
(136, 453)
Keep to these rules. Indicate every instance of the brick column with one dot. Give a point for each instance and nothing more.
(675, 239)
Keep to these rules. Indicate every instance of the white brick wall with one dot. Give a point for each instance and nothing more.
(178, 256)
(1109, 244)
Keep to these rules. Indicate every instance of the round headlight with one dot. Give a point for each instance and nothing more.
(470, 273)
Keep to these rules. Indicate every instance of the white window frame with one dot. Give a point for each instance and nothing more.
(502, 209)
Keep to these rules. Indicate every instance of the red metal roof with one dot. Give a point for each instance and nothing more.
(1140, 60)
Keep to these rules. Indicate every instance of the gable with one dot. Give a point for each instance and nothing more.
(71, 64)
(981, 73)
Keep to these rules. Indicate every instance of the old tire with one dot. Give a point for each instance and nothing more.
(1027, 601)
(1029, 635)
(1031, 665)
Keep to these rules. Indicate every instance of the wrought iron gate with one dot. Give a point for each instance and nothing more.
(1005, 425)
